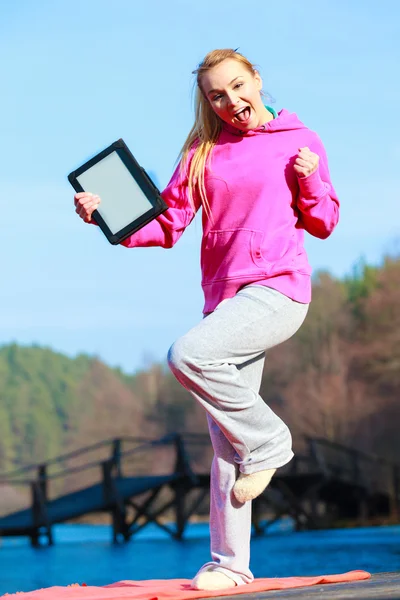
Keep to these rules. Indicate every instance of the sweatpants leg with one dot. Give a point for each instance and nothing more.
(220, 362)
(206, 362)
(230, 520)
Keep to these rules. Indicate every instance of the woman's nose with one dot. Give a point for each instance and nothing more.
(232, 100)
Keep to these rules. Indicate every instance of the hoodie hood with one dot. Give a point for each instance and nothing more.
(283, 121)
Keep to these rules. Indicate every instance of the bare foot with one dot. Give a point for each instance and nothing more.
(248, 487)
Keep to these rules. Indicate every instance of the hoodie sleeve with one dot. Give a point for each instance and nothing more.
(168, 227)
(317, 201)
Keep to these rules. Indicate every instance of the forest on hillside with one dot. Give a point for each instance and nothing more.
(337, 378)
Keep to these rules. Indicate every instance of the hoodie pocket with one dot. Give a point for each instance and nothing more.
(232, 253)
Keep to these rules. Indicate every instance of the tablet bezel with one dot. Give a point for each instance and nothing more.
(143, 180)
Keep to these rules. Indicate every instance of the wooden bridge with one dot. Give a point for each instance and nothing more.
(328, 483)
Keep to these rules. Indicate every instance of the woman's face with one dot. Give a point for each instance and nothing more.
(234, 94)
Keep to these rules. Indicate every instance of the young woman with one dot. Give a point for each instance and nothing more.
(261, 179)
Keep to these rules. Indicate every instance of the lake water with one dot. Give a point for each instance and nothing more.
(85, 554)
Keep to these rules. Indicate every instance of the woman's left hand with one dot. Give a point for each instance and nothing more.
(306, 162)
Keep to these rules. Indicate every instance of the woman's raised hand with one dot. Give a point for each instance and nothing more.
(85, 204)
(306, 162)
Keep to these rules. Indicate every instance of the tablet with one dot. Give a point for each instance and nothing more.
(129, 198)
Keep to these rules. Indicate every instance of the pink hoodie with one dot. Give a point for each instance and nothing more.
(260, 210)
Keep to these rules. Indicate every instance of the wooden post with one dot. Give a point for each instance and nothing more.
(35, 508)
(106, 467)
(116, 456)
(40, 517)
(180, 497)
(120, 526)
(43, 481)
(117, 506)
(181, 463)
(182, 467)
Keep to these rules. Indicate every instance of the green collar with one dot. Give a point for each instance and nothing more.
(271, 110)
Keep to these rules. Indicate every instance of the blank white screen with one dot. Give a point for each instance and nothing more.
(122, 200)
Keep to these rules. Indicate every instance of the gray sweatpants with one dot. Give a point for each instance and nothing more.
(220, 361)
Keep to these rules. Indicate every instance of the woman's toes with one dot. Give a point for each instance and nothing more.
(248, 487)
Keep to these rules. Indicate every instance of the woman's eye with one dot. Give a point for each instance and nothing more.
(238, 85)
(217, 97)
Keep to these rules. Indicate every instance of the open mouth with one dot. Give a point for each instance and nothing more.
(243, 115)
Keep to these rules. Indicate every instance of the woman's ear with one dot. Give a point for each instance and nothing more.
(258, 80)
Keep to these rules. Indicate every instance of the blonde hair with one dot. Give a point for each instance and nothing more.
(207, 127)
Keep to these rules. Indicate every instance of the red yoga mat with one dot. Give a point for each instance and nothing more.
(177, 589)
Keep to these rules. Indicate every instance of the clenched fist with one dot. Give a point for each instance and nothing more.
(306, 162)
(86, 203)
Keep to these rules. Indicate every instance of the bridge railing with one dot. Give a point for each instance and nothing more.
(20, 486)
(33, 485)
(374, 474)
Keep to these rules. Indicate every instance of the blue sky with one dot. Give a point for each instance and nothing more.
(78, 74)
